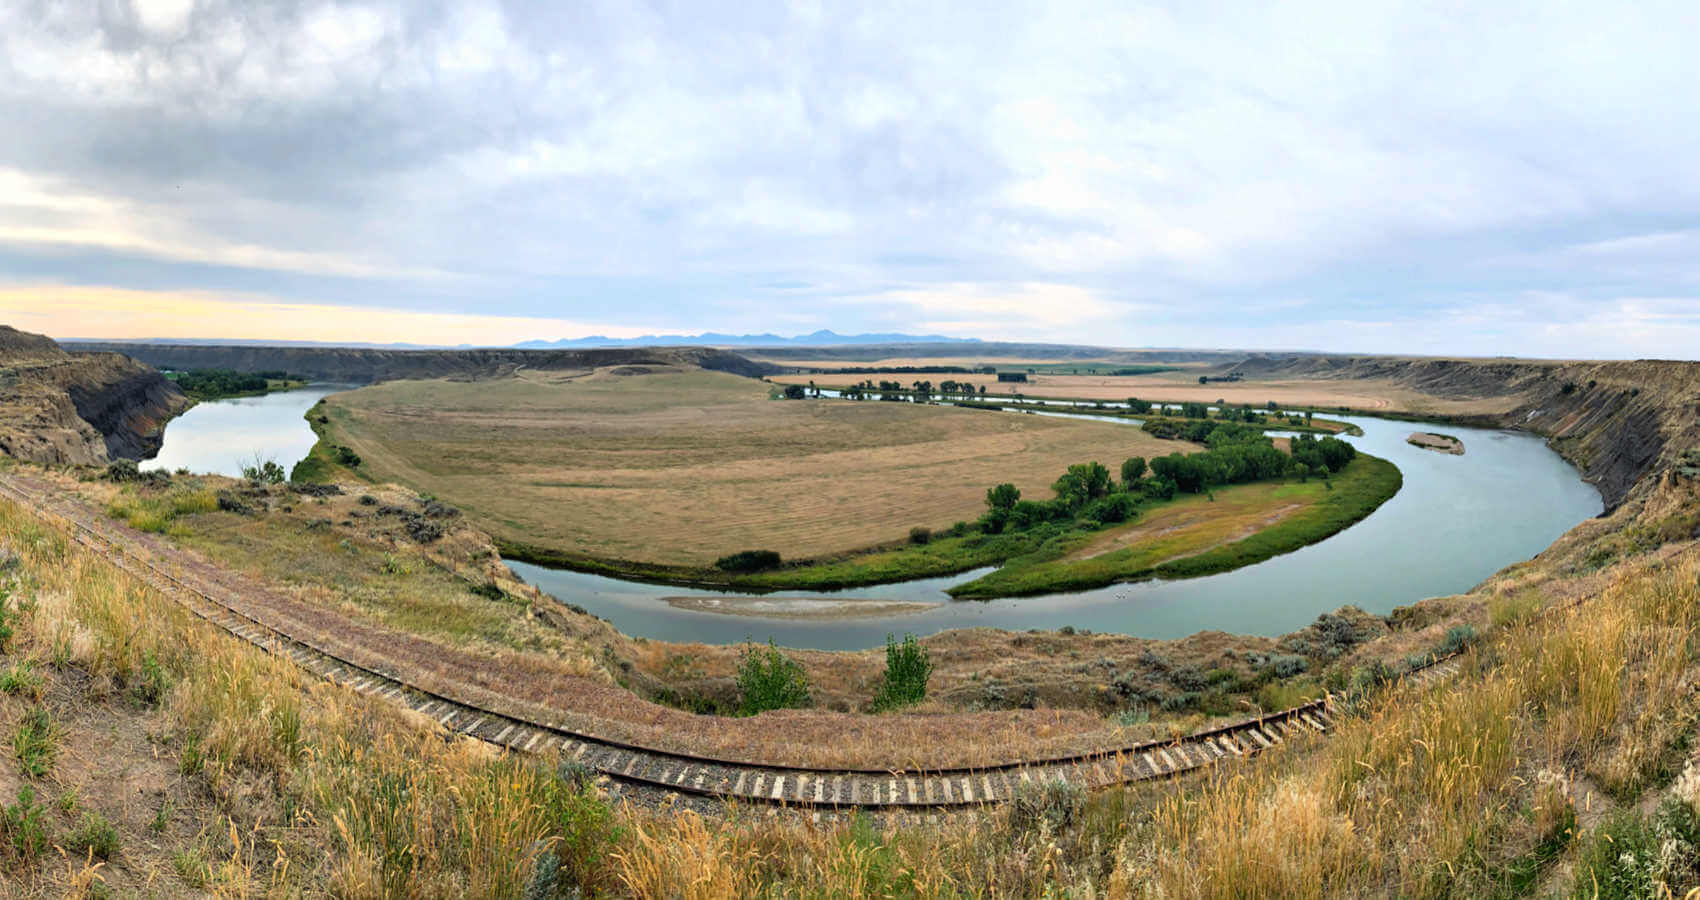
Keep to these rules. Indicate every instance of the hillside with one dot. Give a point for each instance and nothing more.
(365, 365)
(57, 407)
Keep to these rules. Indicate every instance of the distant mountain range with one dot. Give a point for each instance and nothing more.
(821, 338)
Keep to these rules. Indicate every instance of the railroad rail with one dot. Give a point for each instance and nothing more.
(830, 790)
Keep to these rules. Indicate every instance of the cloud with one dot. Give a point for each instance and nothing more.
(98, 312)
(1188, 166)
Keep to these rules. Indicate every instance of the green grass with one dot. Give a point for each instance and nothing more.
(36, 742)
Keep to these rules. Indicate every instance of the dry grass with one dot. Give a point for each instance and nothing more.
(683, 467)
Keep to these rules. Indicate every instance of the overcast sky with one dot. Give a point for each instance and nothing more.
(1473, 178)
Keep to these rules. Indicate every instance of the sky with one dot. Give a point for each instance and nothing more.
(1442, 178)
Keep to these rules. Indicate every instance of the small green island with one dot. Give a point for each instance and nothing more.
(222, 384)
(1439, 443)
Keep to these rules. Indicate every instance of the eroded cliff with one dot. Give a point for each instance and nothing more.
(58, 407)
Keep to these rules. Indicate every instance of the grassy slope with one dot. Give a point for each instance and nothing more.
(1499, 783)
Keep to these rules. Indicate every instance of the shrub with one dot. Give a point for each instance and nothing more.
(1457, 638)
(1631, 856)
(795, 392)
(1051, 802)
(920, 535)
(345, 457)
(748, 561)
(1112, 509)
(22, 825)
(152, 684)
(768, 679)
(93, 834)
(907, 668)
(264, 471)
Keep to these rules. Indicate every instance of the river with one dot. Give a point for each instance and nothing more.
(219, 437)
(1457, 520)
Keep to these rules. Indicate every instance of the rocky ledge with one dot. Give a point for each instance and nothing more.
(58, 407)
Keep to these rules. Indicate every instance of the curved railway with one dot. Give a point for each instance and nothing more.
(647, 769)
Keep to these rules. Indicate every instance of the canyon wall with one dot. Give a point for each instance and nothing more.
(57, 407)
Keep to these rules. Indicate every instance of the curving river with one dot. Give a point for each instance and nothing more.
(219, 437)
(1457, 520)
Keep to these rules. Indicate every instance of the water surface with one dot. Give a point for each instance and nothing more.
(219, 437)
(1457, 520)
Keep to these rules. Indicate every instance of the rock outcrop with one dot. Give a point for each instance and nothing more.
(365, 365)
(59, 407)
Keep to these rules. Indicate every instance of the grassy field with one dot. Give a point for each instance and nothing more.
(683, 467)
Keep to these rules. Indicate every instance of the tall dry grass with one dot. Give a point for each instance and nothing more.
(1449, 790)
(1468, 787)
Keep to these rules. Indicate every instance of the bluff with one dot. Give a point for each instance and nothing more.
(1615, 421)
(366, 365)
(59, 407)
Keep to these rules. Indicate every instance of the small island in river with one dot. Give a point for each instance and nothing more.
(1440, 443)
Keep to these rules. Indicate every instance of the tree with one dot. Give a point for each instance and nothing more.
(768, 679)
(1133, 469)
(1204, 379)
(1135, 405)
(795, 392)
(907, 669)
(1082, 483)
(1002, 496)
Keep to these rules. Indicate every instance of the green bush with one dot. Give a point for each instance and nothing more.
(748, 561)
(22, 825)
(907, 668)
(93, 834)
(920, 535)
(1632, 856)
(768, 679)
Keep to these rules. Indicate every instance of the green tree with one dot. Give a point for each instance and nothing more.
(1133, 469)
(768, 679)
(1002, 496)
(795, 392)
(907, 669)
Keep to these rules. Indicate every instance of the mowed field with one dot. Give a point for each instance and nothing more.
(681, 467)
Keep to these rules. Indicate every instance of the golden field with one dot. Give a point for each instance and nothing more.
(681, 467)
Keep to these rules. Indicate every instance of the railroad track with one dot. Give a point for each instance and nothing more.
(913, 793)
